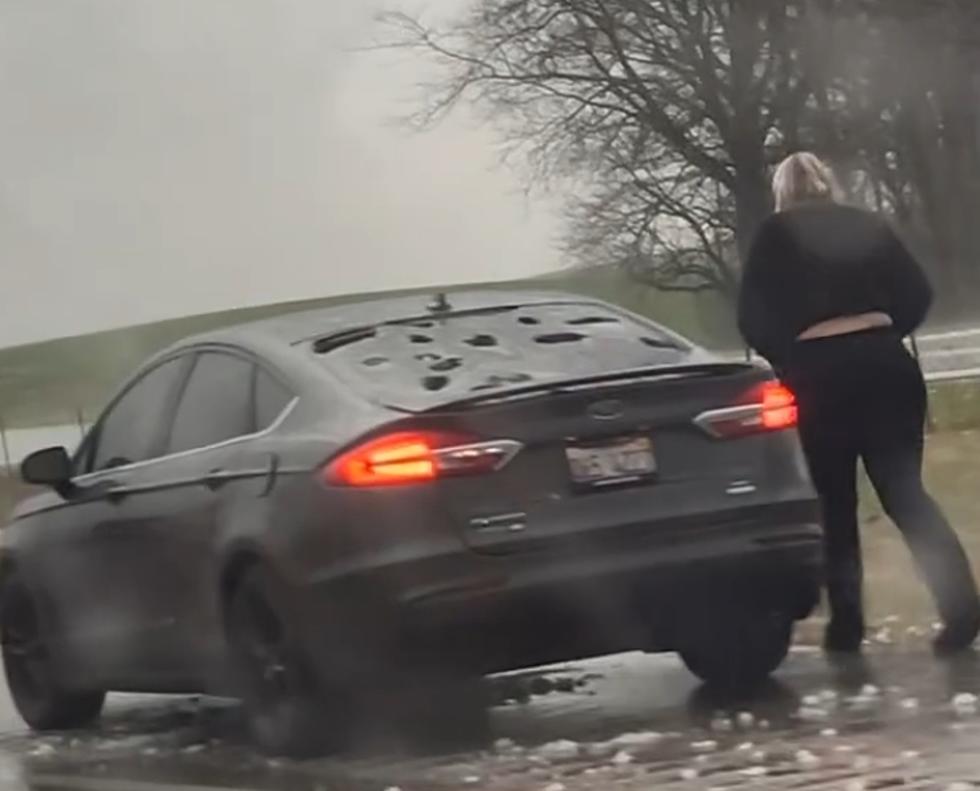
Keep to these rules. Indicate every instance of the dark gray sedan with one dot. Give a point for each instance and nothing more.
(420, 491)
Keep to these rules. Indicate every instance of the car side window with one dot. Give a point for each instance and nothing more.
(131, 428)
(216, 405)
(271, 398)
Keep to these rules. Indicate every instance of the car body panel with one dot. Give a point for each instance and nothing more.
(135, 563)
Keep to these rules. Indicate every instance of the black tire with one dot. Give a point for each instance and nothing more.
(40, 697)
(289, 714)
(735, 650)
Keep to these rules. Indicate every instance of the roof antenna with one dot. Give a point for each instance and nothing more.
(440, 304)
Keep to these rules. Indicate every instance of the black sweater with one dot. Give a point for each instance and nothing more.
(820, 262)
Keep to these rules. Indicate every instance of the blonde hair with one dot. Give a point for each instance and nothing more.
(804, 178)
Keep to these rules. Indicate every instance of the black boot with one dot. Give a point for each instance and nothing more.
(958, 635)
(844, 635)
(845, 632)
(950, 578)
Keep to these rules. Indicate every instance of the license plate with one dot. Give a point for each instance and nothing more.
(610, 463)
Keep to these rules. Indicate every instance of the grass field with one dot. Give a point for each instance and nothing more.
(45, 383)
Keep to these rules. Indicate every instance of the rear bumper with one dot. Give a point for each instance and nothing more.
(497, 613)
(591, 606)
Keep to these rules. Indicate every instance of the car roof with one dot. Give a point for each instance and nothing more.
(293, 328)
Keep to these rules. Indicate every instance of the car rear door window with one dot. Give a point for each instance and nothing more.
(132, 428)
(271, 398)
(216, 405)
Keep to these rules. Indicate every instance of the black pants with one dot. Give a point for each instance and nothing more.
(863, 396)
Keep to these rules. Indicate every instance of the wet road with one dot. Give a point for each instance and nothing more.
(630, 722)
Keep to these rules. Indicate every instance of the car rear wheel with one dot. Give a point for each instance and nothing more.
(736, 649)
(288, 712)
(41, 699)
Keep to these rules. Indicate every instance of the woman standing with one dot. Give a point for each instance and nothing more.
(828, 294)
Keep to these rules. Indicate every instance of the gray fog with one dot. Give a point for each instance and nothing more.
(170, 157)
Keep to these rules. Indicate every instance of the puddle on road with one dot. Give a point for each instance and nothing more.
(631, 722)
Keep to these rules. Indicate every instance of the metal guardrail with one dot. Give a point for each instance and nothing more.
(952, 376)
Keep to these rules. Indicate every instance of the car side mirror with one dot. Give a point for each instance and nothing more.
(49, 467)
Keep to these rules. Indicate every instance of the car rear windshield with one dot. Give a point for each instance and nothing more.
(423, 363)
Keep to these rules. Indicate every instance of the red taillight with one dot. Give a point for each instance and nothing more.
(779, 410)
(771, 407)
(406, 458)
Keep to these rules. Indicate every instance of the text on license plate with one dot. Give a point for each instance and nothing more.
(613, 462)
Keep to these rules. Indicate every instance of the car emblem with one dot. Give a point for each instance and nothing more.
(606, 410)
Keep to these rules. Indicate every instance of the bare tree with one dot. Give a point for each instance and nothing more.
(662, 118)
(659, 111)
(909, 126)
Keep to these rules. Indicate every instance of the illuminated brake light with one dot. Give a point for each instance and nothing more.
(779, 410)
(771, 407)
(406, 458)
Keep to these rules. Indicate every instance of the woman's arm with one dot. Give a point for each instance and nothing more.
(901, 278)
(758, 299)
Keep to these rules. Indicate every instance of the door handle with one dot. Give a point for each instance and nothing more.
(215, 479)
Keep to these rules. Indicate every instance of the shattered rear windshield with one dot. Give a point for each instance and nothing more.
(422, 363)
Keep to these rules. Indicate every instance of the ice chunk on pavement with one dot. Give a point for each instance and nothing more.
(807, 760)
(561, 750)
(745, 719)
(755, 771)
(812, 700)
(555, 787)
(599, 749)
(504, 745)
(745, 747)
(689, 774)
(622, 758)
(708, 746)
(813, 714)
(966, 704)
(870, 691)
(829, 733)
(759, 756)
(637, 740)
(911, 755)
(43, 750)
(910, 704)
(472, 780)
(721, 725)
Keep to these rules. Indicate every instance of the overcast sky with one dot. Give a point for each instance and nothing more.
(168, 157)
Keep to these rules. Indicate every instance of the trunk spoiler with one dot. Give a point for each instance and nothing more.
(684, 371)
